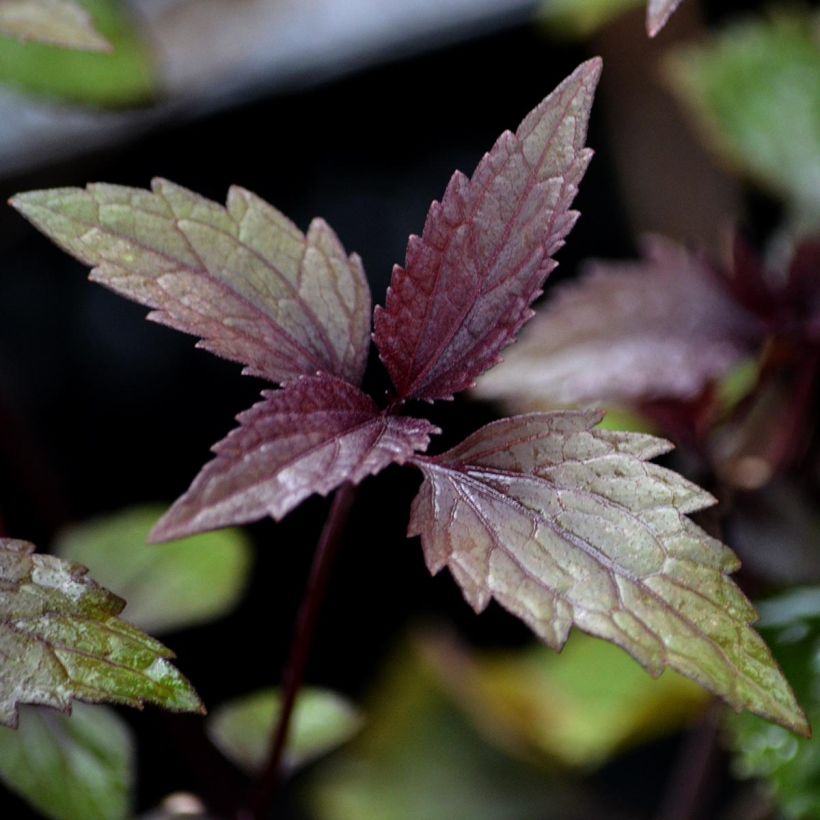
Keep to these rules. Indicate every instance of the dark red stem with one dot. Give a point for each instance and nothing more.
(271, 776)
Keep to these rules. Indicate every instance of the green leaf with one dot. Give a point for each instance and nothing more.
(167, 587)
(581, 18)
(568, 526)
(322, 720)
(55, 22)
(420, 757)
(123, 77)
(789, 766)
(755, 90)
(70, 768)
(584, 705)
(60, 639)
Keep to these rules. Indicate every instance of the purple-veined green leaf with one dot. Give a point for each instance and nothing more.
(60, 639)
(565, 525)
(659, 328)
(55, 22)
(77, 767)
(658, 13)
(243, 277)
(309, 437)
(486, 249)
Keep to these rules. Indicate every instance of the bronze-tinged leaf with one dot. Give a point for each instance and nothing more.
(55, 22)
(658, 13)
(61, 639)
(309, 437)
(565, 525)
(243, 277)
(486, 249)
(662, 327)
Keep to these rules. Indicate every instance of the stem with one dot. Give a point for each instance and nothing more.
(271, 776)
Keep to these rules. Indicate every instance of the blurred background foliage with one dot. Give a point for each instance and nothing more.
(359, 111)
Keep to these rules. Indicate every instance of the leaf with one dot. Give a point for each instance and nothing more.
(582, 18)
(486, 249)
(583, 707)
(70, 768)
(658, 13)
(56, 22)
(659, 328)
(124, 77)
(244, 278)
(789, 766)
(565, 525)
(310, 437)
(60, 639)
(755, 91)
(175, 586)
(322, 720)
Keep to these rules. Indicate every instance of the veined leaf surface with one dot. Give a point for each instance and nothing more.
(568, 526)
(658, 13)
(243, 277)
(60, 639)
(659, 328)
(309, 437)
(486, 249)
(56, 22)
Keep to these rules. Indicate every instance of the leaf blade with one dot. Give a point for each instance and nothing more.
(53, 22)
(568, 526)
(658, 13)
(484, 253)
(624, 332)
(61, 639)
(243, 277)
(309, 437)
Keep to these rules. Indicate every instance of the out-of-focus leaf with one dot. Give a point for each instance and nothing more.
(580, 18)
(658, 328)
(70, 768)
(565, 525)
(178, 585)
(658, 13)
(756, 91)
(60, 639)
(486, 249)
(419, 757)
(55, 22)
(583, 705)
(243, 277)
(789, 766)
(309, 437)
(125, 76)
(322, 720)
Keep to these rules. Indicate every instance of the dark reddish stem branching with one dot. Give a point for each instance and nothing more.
(329, 541)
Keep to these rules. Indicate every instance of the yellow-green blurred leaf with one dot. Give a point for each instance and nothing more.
(167, 586)
(580, 18)
(123, 77)
(322, 720)
(70, 768)
(55, 22)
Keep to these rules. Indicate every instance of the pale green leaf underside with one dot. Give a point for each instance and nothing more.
(173, 586)
(242, 277)
(56, 22)
(60, 639)
(70, 768)
(568, 526)
(322, 720)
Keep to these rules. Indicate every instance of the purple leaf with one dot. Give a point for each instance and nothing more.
(659, 328)
(566, 525)
(658, 13)
(486, 249)
(243, 278)
(309, 437)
